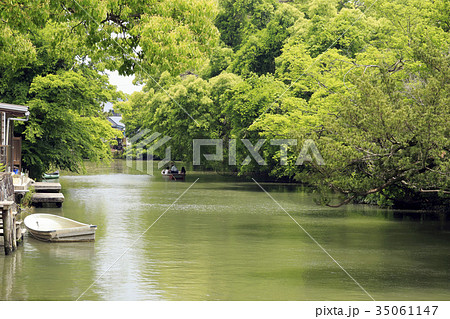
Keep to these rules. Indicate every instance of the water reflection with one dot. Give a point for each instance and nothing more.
(225, 240)
(70, 251)
(11, 267)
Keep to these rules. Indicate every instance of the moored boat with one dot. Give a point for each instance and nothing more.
(53, 175)
(48, 227)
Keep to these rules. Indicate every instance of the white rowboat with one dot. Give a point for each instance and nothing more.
(48, 227)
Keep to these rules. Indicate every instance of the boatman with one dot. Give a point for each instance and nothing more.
(174, 169)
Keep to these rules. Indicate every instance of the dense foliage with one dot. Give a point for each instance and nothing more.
(366, 82)
(52, 55)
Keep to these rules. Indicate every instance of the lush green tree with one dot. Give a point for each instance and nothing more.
(377, 115)
(392, 136)
(15, 48)
(132, 110)
(257, 54)
(220, 60)
(237, 104)
(224, 107)
(175, 107)
(51, 53)
(366, 81)
(239, 19)
(143, 37)
(66, 122)
(54, 48)
(229, 21)
(440, 14)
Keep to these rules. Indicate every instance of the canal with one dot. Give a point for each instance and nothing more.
(216, 238)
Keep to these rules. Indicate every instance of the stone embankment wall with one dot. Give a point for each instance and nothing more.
(6, 187)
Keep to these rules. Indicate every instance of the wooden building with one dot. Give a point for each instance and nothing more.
(10, 146)
(116, 123)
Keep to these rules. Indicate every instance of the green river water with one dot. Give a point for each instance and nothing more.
(225, 240)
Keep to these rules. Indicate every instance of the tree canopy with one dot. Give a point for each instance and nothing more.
(53, 55)
(366, 81)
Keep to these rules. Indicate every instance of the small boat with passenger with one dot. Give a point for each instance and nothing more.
(173, 173)
(174, 176)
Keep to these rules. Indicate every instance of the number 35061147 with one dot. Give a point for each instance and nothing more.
(406, 310)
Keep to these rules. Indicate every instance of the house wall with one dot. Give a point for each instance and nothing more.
(7, 153)
(3, 128)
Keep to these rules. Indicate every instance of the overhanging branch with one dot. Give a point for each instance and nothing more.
(370, 191)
